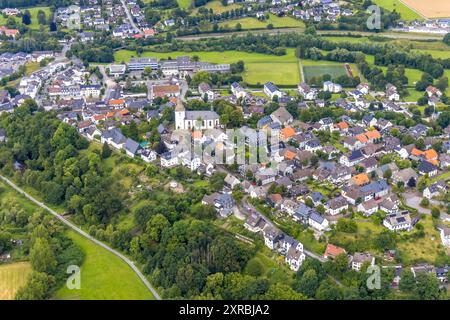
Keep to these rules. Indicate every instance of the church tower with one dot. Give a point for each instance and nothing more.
(180, 114)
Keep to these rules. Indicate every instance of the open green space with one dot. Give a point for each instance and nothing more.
(104, 276)
(34, 20)
(12, 277)
(259, 68)
(184, 4)
(216, 6)
(253, 23)
(405, 12)
(317, 71)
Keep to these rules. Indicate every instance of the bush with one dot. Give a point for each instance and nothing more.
(424, 203)
(435, 213)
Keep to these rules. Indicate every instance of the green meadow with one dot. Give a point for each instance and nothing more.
(104, 276)
(259, 68)
(34, 20)
(405, 12)
(253, 23)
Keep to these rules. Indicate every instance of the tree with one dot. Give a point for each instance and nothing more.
(156, 225)
(424, 202)
(447, 39)
(5, 241)
(435, 213)
(37, 287)
(42, 19)
(407, 281)
(427, 286)
(26, 18)
(42, 257)
(387, 174)
(281, 291)
(328, 290)
(106, 151)
(308, 283)
(255, 268)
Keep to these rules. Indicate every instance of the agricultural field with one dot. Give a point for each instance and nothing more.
(406, 13)
(104, 276)
(259, 68)
(430, 9)
(253, 23)
(34, 20)
(12, 278)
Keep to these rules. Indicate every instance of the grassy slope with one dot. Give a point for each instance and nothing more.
(12, 277)
(104, 276)
(216, 6)
(259, 68)
(34, 20)
(405, 12)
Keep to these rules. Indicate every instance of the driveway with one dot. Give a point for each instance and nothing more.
(412, 199)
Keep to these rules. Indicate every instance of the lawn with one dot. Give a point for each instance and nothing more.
(12, 277)
(253, 23)
(104, 276)
(405, 12)
(259, 68)
(34, 20)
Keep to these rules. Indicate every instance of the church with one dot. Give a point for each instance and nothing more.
(194, 120)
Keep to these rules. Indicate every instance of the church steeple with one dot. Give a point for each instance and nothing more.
(179, 106)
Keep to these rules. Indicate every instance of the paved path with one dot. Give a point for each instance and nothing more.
(412, 199)
(86, 235)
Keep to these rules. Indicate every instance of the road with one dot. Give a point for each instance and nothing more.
(412, 199)
(110, 83)
(245, 205)
(86, 235)
(130, 18)
(388, 34)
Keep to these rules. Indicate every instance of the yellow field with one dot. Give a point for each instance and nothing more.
(430, 9)
(12, 277)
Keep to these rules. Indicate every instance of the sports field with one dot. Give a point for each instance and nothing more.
(12, 278)
(259, 68)
(104, 276)
(34, 20)
(405, 12)
(316, 71)
(313, 68)
(430, 8)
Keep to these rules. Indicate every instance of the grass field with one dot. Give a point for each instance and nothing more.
(253, 23)
(34, 20)
(316, 71)
(430, 9)
(259, 68)
(12, 277)
(216, 6)
(313, 68)
(104, 276)
(184, 4)
(405, 12)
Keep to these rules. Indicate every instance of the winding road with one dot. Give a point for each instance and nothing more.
(86, 235)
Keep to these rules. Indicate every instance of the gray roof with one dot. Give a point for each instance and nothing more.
(131, 146)
(204, 115)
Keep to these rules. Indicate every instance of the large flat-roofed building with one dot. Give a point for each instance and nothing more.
(137, 64)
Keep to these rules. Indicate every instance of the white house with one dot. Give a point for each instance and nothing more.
(272, 90)
(399, 221)
(318, 222)
(332, 87)
(294, 258)
(359, 259)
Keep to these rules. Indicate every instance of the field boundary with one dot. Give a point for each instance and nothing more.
(411, 8)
